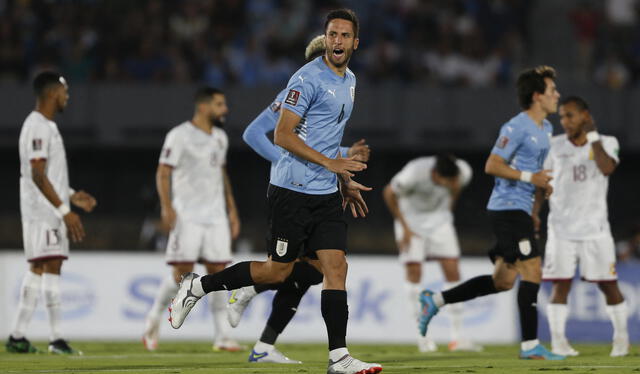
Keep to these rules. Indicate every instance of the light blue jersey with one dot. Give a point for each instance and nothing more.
(324, 101)
(524, 146)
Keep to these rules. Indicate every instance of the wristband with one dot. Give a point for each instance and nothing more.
(71, 191)
(593, 136)
(63, 209)
(525, 176)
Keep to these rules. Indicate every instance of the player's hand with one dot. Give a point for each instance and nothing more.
(74, 227)
(589, 124)
(234, 224)
(83, 201)
(351, 196)
(168, 217)
(542, 178)
(548, 191)
(360, 151)
(345, 166)
(536, 225)
(403, 244)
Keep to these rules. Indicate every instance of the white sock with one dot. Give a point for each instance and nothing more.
(438, 299)
(166, 291)
(529, 344)
(51, 290)
(262, 347)
(338, 353)
(412, 291)
(557, 315)
(29, 292)
(218, 306)
(197, 288)
(455, 312)
(619, 315)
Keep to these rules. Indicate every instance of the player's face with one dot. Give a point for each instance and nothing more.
(218, 109)
(61, 95)
(572, 119)
(340, 42)
(549, 100)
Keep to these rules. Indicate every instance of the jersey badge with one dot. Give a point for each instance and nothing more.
(37, 144)
(502, 142)
(292, 97)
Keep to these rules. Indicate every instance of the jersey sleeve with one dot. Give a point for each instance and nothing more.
(300, 93)
(508, 141)
(405, 181)
(548, 162)
(466, 173)
(171, 150)
(255, 135)
(38, 141)
(612, 147)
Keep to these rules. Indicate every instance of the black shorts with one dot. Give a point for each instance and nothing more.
(514, 232)
(300, 224)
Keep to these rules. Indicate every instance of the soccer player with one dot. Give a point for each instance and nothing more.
(197, 203)
(421, 198)
(578, 228)
(516, 162)
(306, 208)
(47, 220)
(304, 275)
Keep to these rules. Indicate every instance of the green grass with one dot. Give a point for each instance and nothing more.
(196, 357)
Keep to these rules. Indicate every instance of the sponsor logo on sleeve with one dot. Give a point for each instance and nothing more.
(292, 97)
(167, 152)
(502, 141)
(37, 144)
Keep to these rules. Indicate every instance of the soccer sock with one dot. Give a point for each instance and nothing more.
(413, 299)
(51, 289)
(235, 276)
(474, 287)
(455, 312)
(283, 309)
(166, 291)
(335, 312)
(527, 305)
(29, 291)
(218, 306)
(557, 315)
(619, 315)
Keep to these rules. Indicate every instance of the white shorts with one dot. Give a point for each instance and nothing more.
(193, 242)
(597, 259)
(45, 240)
(441, 243)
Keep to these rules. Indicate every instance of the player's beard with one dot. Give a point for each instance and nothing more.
(347, 56)
(218, 121)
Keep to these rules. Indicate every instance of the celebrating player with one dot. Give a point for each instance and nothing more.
(516, 161)
(197, 203)
(578, 227)
(306, 208)
(47, 220)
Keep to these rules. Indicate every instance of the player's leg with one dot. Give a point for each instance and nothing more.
(413, 276)
(29, 294)
(618, 312)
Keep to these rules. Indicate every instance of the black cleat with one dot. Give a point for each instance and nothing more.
(21, 345)
(61, 347)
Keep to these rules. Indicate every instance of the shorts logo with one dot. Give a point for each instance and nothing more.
(37, 144)
(281, 247)
(292, 97)
(275, 106)
(525, 247)
(502, 142)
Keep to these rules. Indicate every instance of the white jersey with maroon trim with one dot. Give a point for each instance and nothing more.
(40, 139)
(578, 205)
(197, 181)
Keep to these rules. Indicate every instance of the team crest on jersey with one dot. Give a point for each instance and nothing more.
(275, 106)
(281, 246)
(352, 89)
(502, 141)
(37, 144)
(292, 97)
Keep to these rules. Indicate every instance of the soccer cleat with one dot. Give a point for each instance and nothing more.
(150, 337)
(620, 347)
(426, 345)
(539, 352)
(428, 309)
(21, 345)
(273, 356)
(227, 344)
(463, 345)
(350, 365)
(563, 348)
(61, 347)
(184, 301)
(238, 302)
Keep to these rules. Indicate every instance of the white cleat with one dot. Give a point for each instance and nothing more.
(184, 301)
(620, 347)
(563, 348)
(463, 345)
(227, 344)
(238, 302)
(150, 337)
(426, 345)
(349, 365)
(272, 356)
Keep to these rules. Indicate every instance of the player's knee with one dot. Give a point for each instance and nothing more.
(503, 284)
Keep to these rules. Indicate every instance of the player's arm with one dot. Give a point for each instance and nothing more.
(391, 199)
(163, 185)
(232, 211)
(498, 167)
(605, 163)
(40, 179)
(286, 138)
(538, 202)
(255, 135)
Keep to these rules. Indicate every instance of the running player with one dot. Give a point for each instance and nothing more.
(581, 160)
(47, 220)
(421, 198)
(197, 203)
(516, 161)
(306, 208)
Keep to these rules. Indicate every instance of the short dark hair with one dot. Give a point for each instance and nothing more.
(205, 93)
(446, 165)
(531, 81)
(45, 80)
(577, 101)
(346, 14)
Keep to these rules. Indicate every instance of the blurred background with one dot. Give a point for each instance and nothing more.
(433, 75)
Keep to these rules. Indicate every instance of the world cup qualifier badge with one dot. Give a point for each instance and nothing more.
(37, 144)
(502, 142)
(292, 97)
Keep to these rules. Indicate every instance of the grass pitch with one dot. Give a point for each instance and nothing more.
(197, 357)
